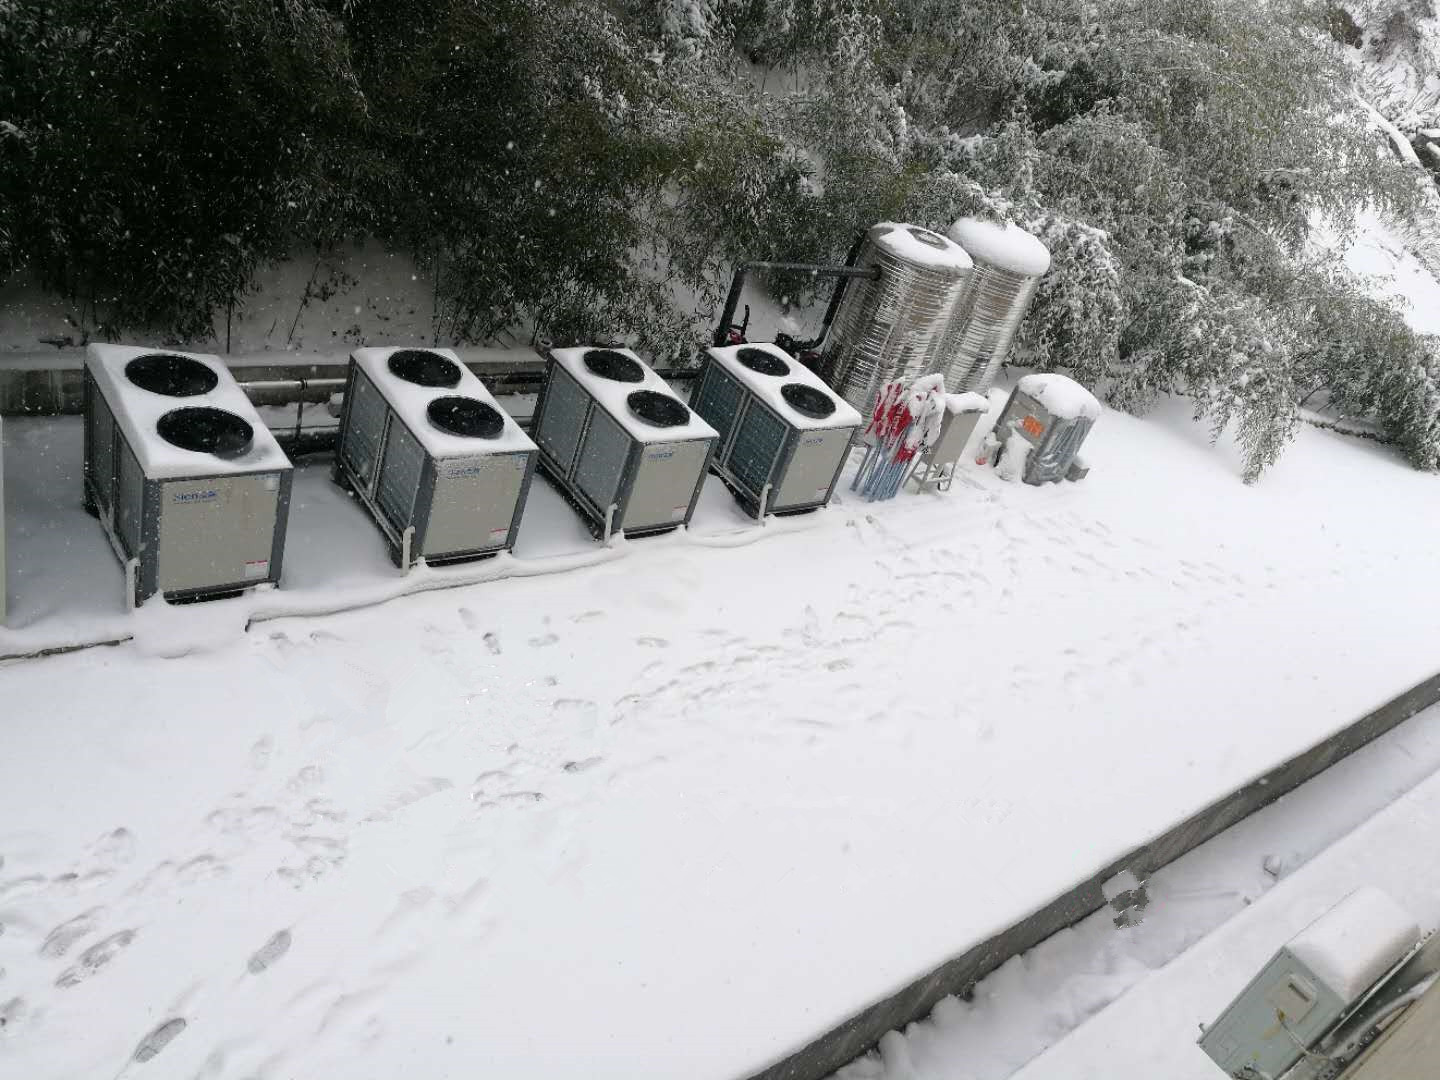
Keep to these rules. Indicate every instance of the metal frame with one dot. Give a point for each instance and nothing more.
(405, 540)
(601, 519)
(756, 503)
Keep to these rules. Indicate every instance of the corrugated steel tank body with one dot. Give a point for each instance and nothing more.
(891, 327)
(1009, 264)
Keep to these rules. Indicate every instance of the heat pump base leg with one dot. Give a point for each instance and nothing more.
(132, 578)
(609, 522)
(764, 502)
(406, 540)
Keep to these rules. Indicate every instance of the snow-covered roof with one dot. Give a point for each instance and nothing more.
(1063, 396)
(612, 397)
(138, 410)
(767, 387)
(1007, 246)
(967, 402)
(921, 246)
(410, 402)
(1356, 941)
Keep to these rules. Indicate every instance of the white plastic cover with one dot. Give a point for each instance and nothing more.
(1356, 941)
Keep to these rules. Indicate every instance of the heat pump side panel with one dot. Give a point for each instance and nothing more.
(362, 440)
(717, 401)
(129, 499)
(600, 465)
(218, 531)
(401, 468)
(754, 453)
(474, 504)
(561, 417)
(816, 458)
(99, 446)
(667, 479)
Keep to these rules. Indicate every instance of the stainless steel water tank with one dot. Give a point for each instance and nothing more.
(891, 326)
(1009, 264)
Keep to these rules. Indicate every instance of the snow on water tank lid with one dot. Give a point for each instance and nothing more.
(1007, 246)
(919, 246)
(1064, 397)
(1355, 942)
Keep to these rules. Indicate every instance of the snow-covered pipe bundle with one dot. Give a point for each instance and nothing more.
(891, 327)
(1009, 264)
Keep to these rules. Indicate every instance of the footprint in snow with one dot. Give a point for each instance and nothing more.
(469, 618)
(492, 643)
(269, 953)
(158, 1039)
(93, 959)
(543, 641)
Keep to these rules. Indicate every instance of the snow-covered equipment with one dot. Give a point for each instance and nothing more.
(935, 468)
(904, 423)
(628, 453)
(1041, 429)
(443, 470)
(1009, 264)
(189, 483)
(1310, 985)
(784, 435)
(891, 327)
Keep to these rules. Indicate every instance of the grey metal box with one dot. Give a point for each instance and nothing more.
(1055, 440)
(190, 536)
(599, 463)
(759, 447)
(1247, 1034)
(453, 506)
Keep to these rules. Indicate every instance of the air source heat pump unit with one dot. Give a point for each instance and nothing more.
(442, 468)
(1315, 980)
(784, 436)
(193, 490)
(627, 452)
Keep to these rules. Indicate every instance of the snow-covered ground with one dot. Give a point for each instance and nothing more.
(674, 812)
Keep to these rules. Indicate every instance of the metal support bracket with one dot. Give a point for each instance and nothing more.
(407, 539)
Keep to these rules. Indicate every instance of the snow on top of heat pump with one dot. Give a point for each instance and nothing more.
(1007, 247)
(967, 402)
(613, 397)
(1063, 396)
(410, 402)
(767, 387)
(1355, 942)
(137, 411)
(920, 246)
